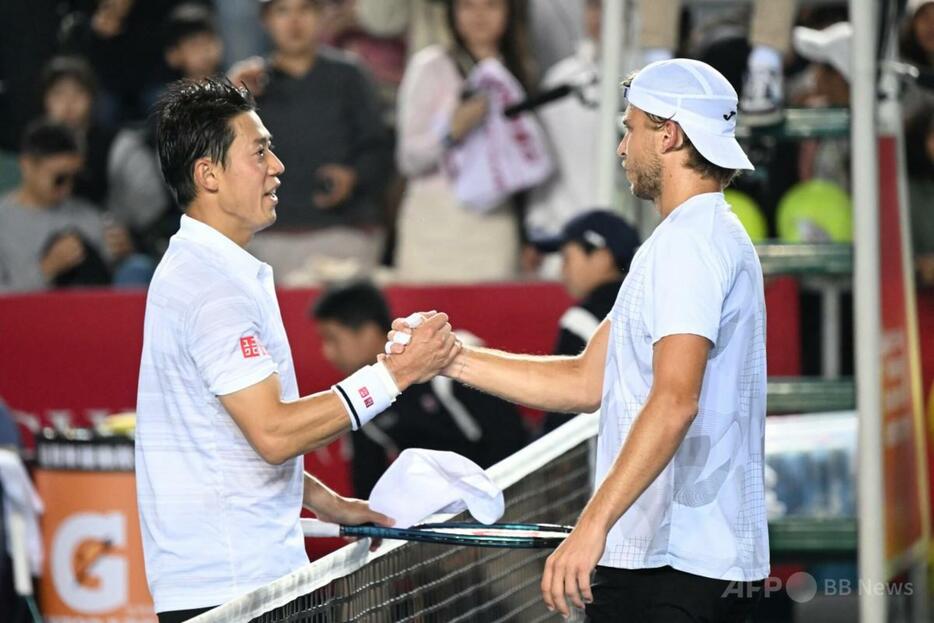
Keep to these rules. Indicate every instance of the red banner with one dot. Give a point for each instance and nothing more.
(902, 428)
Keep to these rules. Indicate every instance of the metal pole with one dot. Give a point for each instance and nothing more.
(830, 293)
(865, 175)
(611, 35)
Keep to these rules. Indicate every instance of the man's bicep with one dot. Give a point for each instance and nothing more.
(678, 365)
(593, 362)
(224, 342)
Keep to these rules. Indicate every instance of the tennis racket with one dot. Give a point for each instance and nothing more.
(509, 535)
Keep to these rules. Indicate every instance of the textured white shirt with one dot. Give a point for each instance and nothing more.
(217, 520)
(698, 273)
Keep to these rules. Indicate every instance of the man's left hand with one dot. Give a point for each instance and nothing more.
(351, 511)
(568, 569)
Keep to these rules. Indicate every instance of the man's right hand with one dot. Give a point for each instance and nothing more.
(64, 254)
(251, 72)
(432, 348)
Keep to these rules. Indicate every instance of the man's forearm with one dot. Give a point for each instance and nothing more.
(542, 382)
(316, 495)
(311, 422)
(652, 442)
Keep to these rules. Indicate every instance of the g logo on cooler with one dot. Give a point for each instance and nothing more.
(88, 575)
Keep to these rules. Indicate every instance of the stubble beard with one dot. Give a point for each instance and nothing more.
(647, 181)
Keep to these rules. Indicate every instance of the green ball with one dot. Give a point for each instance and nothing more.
(747, 211)
(815, 211)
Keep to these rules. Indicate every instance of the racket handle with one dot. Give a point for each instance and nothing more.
(318, 528)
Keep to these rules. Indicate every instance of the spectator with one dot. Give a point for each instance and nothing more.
(917, 47)
(441, 415)
(384, 57)
(120, 173)
(596, 248)
(49, 238)
(919, 145)
(193, 48)
(440, 239)
(27, 43)
(917, 37)
(555, 26)
(116, 36)
(324, 116)
(762, 95)
(828, 50)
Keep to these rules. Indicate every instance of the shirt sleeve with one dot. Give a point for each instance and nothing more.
(427, 99)
(688, 287)
(224, 342)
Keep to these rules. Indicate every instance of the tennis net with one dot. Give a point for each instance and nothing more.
(547, 482)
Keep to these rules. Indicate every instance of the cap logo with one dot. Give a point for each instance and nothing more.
(595, 239)
(729, 116)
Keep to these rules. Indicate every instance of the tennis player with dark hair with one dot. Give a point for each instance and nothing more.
(221, 428)
(676, 528)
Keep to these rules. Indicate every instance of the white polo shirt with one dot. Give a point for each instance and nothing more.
(697, 273)
(217, 520)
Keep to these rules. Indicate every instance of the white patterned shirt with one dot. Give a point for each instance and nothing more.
(698, 273)
(217, 520)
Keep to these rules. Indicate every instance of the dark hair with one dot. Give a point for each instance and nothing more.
(909, 46)
(353, 305)
(696, 162)
(46, 138)
(917, 129)
(193, 121)
(265, 5)
(68, 68)
(513, 45)
(185, 21)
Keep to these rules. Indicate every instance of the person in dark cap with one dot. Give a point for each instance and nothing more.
(596, 250)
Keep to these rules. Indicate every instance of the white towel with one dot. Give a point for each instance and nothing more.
(502, 156)
(421, 483)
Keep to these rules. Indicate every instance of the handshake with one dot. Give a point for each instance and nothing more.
(420, 347)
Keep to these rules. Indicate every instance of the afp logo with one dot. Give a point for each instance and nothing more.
(87, 570)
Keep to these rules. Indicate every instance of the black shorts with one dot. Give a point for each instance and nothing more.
(666, 595)
(180, 616)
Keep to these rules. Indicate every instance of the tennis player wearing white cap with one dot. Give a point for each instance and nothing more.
(676, 528)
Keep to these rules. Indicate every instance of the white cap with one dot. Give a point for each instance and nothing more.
(700, 100)
(830, 45)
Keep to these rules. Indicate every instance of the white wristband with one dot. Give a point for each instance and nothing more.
(366, 393)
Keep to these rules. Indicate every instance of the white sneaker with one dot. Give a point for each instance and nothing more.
(763, 97)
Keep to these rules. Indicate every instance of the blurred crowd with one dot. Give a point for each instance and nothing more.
(396, 122)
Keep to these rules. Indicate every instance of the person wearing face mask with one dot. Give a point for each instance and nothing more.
(119, 172)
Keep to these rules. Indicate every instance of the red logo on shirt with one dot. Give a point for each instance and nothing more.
(367, 399)
(250, 347)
